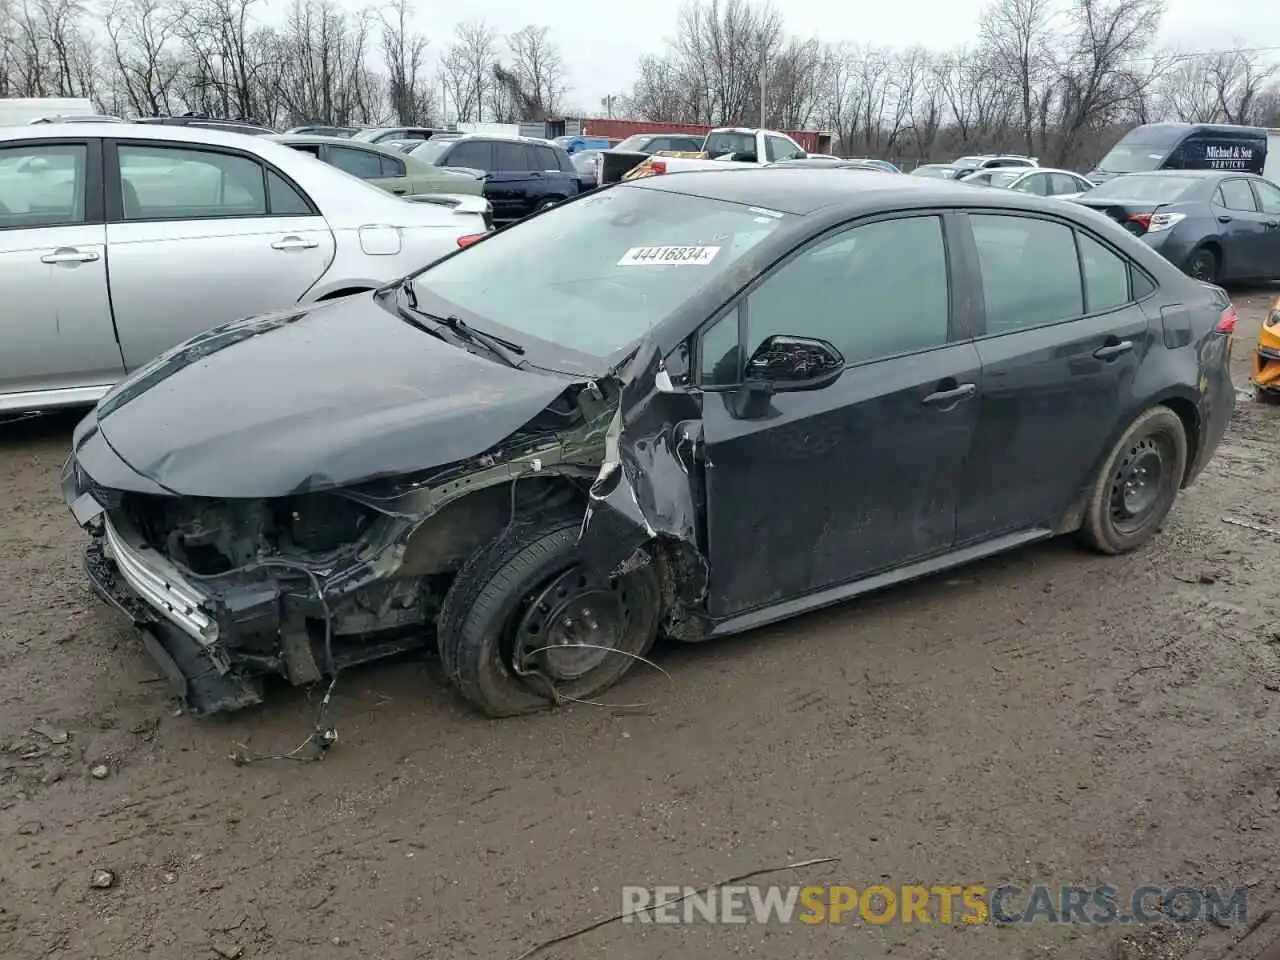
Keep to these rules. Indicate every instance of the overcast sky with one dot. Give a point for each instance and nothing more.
(603, 41)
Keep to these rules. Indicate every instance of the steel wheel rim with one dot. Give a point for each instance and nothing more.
(568, 627)
(1139, 483)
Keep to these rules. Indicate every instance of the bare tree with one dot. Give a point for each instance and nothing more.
(1103, 72)
(1017, 32)
(143, 38)
(1237, 80)
(468, 69)
(403, 51)
(531, 84)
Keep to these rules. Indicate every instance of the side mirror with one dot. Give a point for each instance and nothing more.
(36, 165)
(800, 156)
(785, 364)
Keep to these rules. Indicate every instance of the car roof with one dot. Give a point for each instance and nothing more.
(499, 138)
(131, 131)
(802, 190)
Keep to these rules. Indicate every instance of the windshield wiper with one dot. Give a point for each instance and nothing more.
(500, 348)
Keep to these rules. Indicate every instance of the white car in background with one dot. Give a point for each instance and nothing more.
(1040, 181)
(119, 241)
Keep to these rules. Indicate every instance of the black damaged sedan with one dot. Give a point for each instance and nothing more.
(688, 405)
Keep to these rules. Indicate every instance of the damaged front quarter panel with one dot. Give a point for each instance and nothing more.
(645, 502)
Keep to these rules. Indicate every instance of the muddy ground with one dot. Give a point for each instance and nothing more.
(1048, 716)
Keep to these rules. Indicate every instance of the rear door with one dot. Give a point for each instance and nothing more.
(1243, 230)
(199, 235)
(831, 485)
(55, 329)
(1060, 339)
(1268, 196)
(513, 187)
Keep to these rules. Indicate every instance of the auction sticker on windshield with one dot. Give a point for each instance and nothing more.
(674, 256)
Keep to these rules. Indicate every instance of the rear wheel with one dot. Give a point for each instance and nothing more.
(1137, 484)
(546, 204)
(1203, 265)
(528, 621)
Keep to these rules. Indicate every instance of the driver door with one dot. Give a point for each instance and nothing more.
(831, 485)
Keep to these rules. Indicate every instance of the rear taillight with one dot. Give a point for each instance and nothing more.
(468, 239)
(1226, 322)
(658, 166)
(1155, 222)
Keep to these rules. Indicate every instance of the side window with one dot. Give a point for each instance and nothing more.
(510, 158)
(364, 164)
(1060, 183)
(285, 200)
(42, 186)
(1036, 183)
(1268, 196)
(771, 149)
(171, 183)
(477, 154)
(311, 149)
(391, 167)
(873, 291)
(1030, 272)
(686, 146)
(1236, 195)
(659, 144)
(546, 159)
(1106, 276)
(781, 148)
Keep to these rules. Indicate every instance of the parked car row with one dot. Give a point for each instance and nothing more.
(470, 458)
(118, 241)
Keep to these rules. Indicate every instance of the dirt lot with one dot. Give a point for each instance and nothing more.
(1049, 716)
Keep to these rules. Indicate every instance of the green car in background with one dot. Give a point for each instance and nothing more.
(383, 166)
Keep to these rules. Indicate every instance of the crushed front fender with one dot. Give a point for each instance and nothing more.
(644, 505)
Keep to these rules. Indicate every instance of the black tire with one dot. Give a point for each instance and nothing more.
(492, 600)
(1203, 265)
(1269, 397)
(546, 204)
(1120, 516)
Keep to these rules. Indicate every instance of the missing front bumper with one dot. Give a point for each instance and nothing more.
(197, 673)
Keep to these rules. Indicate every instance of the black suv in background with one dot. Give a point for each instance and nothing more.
(523, 175)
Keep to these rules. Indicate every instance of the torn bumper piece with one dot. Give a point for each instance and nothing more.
(177, 621)
(195, 666)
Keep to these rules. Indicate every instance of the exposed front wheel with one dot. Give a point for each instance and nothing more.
(1137, 484)
(1203, 265)
(528, 621)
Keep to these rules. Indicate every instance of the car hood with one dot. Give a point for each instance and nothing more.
(309, 399)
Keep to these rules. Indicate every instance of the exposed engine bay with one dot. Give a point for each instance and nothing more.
(301, 586)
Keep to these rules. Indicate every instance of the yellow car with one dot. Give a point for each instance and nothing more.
(1266, 359)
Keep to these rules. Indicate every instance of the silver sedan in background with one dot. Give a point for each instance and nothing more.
(1040, 181)
(119, 241)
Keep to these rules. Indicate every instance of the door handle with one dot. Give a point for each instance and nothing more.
(294, 243)
(953, 395)
(69, 255)
(1224, 219)
(398, 190)
(1112, 350)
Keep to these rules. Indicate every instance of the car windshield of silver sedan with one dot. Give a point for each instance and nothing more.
(594, 275)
